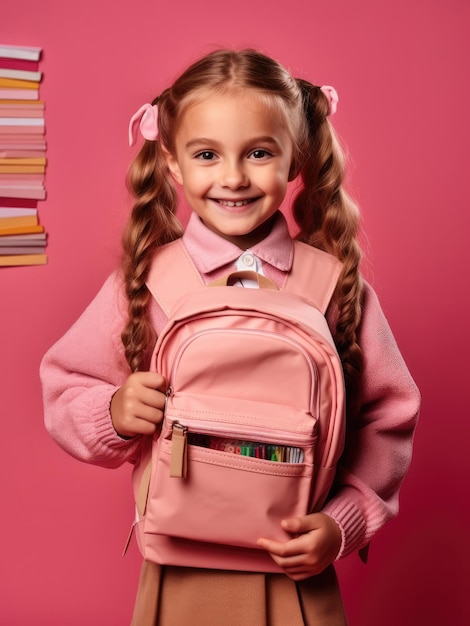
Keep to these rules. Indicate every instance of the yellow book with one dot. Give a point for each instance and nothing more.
(35, 104)
(18, 220)
(14, 83)
(23, 161)
(22, 169)
(23, 259)
(21, 230)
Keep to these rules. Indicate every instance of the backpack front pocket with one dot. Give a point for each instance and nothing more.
(239, 479)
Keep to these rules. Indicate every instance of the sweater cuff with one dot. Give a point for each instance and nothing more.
(351, 523)
(104, 428)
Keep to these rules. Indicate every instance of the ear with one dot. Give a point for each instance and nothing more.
(173, 166)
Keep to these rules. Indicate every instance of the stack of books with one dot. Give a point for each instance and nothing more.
(22, 157)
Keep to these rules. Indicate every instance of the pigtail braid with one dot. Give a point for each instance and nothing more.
(329, 220)
(152, 223)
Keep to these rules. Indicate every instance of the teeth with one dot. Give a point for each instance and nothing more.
(230, 203)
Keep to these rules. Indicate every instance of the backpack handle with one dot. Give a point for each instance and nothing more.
(230, 279)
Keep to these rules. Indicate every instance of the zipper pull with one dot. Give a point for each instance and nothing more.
(168, 394)
(179, 451)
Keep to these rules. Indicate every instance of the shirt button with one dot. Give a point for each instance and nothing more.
(248, 260)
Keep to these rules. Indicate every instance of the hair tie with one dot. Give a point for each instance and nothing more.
(147, 115)
(332, 95)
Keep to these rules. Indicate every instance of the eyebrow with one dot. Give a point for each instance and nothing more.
(203, 141)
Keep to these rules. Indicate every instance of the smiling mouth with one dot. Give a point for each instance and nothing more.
(235, 203)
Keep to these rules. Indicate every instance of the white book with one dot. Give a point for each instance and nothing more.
(16, 212)
(21, 121)
(28, 53)
(20, 74)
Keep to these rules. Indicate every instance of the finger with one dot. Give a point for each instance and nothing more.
(148, 413)
(302, 524)
(282, 549)
(152, 380)
(297, 567)
(152, 398)
(142, 427)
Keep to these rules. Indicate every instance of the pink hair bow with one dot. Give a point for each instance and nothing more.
(147, 115)
(332, 95)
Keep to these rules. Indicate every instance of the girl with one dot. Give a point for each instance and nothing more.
(232, 131)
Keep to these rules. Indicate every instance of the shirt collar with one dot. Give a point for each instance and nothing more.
(210, 252)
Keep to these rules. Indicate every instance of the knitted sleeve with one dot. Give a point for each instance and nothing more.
(79, 376)
(379, 435)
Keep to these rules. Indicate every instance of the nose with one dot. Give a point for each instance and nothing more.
(233, 175)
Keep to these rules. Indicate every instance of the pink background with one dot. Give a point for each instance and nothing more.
(401, 70)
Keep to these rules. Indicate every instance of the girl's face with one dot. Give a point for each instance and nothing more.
(233, 157)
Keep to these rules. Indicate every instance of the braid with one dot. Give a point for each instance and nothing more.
(329, 220)
(152, 223)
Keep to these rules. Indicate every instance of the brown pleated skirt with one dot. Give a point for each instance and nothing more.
(178, 596)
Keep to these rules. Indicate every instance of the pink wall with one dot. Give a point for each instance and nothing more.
(401, 71)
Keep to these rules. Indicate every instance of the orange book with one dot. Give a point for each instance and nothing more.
(14, 83)
(18, 220)
(23, 161)
(37, 104)
(23, 259)
(22, 169)
(21, 230)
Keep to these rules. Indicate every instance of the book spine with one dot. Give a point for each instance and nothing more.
(22, 169)
(20, 142)
(21, 154)
(21, 74)
(23, 259)
(38, 239)
(21, 121)
(26, 53)
(21, 230)
(32, 193)
(18, 94)
(15, 83)
(19, 179)
(14, 222)
(13, 250)
(7, 131)
(15, 110)
(25, 161)
(21, 105)
(16, 211)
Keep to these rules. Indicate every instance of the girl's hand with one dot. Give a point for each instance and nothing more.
(137, 407)
(317, 545)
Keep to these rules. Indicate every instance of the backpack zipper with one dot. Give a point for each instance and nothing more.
(314, 401)
(179, 442)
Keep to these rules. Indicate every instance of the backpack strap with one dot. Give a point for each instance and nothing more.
(314, 275)
(172, 274)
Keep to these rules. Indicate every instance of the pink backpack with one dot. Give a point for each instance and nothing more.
(254, 419)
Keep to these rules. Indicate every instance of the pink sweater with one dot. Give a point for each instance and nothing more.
(82, 371)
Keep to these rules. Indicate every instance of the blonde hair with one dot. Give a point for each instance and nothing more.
(326, 216)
